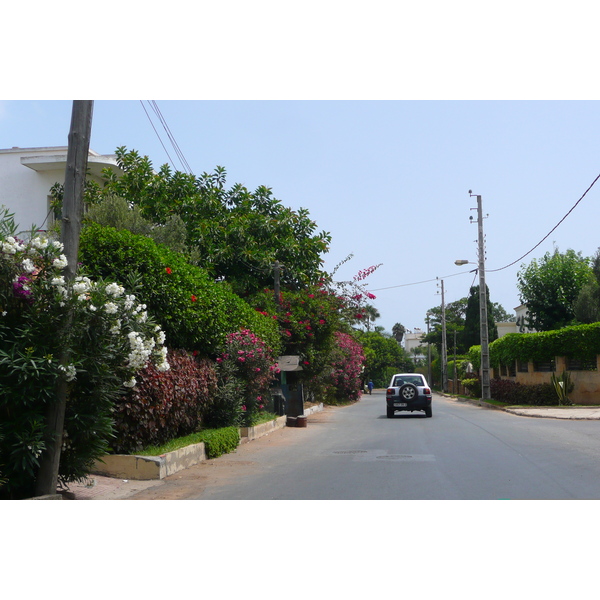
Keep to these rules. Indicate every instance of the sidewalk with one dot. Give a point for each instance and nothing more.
(580, 413)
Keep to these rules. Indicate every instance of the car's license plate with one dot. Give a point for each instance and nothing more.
(399, 403)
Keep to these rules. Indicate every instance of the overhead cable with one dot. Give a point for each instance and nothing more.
(549, 233)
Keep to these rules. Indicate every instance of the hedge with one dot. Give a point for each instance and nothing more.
(195, 312)
(164, 405)
(578, 342)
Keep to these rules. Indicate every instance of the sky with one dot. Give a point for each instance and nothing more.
(388, 179)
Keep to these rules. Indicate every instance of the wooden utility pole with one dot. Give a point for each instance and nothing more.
(75, 173)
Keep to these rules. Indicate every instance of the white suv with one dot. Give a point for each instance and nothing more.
(408, 391)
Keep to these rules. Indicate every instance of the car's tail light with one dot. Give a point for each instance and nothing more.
(427, 390)
(390, 391)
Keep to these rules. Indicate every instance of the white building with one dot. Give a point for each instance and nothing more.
(27, 174)
(413, 339)
(520, 326)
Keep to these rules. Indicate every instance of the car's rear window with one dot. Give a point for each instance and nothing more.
(414, 379)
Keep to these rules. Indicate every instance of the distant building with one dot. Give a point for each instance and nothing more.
(27, 174)
(518, 326)
(413, 339)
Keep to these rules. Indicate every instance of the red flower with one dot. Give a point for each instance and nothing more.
(168, 270)
(194, 298)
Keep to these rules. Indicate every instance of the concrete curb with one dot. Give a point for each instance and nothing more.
(247, 434)
(145, 468)
(125, 466)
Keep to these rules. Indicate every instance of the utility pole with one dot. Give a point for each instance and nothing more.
(455, 380)
(75, 172)
(444, 349)
(429, 378)
(483, 316)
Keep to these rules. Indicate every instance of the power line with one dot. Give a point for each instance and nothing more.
(509, 265)
(154, 106)
(157, 134)
(549, 233)
(171, 137)
(420, 282)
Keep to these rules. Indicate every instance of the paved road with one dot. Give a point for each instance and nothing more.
(355, 452)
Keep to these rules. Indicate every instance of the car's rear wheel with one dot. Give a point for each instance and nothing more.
(390, 412)
(408, 392)
(428, 411)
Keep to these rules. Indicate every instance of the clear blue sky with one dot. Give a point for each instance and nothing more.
(388, 179)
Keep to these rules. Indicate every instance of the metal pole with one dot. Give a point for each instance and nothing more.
(485, 352)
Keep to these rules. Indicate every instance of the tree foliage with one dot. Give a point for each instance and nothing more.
(471, 334)
(382, 353)
(550, 286)
(238, 234)
(587, 304)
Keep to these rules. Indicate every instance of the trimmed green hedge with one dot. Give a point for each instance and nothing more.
(220, 441)
(578, 342)
(195, 312)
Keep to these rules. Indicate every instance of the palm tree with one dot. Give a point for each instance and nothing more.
(371, 315)
(398, 331)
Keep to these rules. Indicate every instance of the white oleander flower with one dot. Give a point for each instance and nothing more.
(60, 262)
(114, 289)
(111, 308)
(28, 265)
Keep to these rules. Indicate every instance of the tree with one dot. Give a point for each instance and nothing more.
(587, 304)
(500, 314)
(398, 331)
(382, 353)
(471, 334)
(549, 287)
(239, 234)
(370, 315)
(455, 320)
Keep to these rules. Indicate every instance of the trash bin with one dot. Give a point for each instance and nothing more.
(301, 421)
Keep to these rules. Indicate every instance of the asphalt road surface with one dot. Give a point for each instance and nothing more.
(464, 452)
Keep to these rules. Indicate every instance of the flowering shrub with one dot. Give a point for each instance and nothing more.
(346, 367)
(247, 368)
(164, 404)
(108, 338)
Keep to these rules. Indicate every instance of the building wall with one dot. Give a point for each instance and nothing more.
(587, 383)
(27, 174)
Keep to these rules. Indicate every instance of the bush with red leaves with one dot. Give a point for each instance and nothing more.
(164, 405)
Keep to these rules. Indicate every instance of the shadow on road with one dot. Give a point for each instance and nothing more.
(405, 416)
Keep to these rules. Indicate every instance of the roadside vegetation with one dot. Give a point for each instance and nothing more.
(176, 327)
